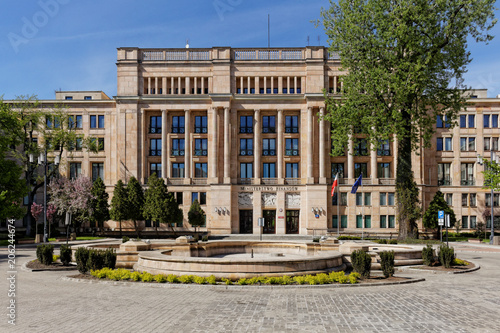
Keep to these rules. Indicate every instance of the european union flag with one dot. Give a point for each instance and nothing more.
(357, 183)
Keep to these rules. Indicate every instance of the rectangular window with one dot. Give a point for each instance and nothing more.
(203, 198)
(97, 171)
(200, 147)
(368, 199)
(465, 199)
(360, 149)
(463, 121)
(155, 168)
(465, 222)
(472, 144)
(246, 170)
(472, 199)
(68, 98)
(368, 221)
(48, 121)
(155, 147)
(343, 198)
(439, 144)
(200, 124)
(246, 147)
(463, 144)
(472, 221)
(178, 147)
(384, 170)
(292, 170)
(383, 221)
(392, 221)
(177, 170)
(494, 122)
(359, 221)
(78, 144)
(439, 122)
(100, 144)
(360, 168)
(494, 144)
(155, 124)
(194, 196)
(359, 199)
(178, 124)
(269, 124)
(383, 199)
(390, 199)
(486, 121)
(179, 198)
(335, 221)
(467, 174)
(71, 122)
(448, 197)
(93, 121)
(472, 119)
(444, 174)
(200, 170)
(448, 144)
(75, 170)
(384, 148)
(487, 144)
(291, 124)
(79, 121)
(100, 121)
(334, 199)
(343, 221)
(269, 170)
(269, 147)
(337, 168)
(246, 124)
(291, 147)
(87, 98)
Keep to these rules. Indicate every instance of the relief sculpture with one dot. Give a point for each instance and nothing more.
(245, 199)
(292, 200)
(268, 199)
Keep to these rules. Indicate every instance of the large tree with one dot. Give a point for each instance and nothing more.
(135, 205)
(196, 215)
(403, 63)
(119, 204)
(99, 206)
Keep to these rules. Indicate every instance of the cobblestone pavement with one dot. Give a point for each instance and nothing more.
(443, 303)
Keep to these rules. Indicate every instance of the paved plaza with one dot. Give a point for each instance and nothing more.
(443, 303)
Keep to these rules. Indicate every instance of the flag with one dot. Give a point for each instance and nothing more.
(357, 183)
(334, 185)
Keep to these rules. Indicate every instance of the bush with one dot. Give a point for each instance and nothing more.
(353, 278)
(186, 279)
(55, 257)
(299, 279)
(82, 256)
(393, 241)
(459, 262)
(65, 254)
(316, 239)
(125, 239)
(428, 255)
(348, 238)
(211, 280)
(361, 262)
(227, 281)
(119, 274)
(204, 238)
(446, 255)
(44, 253)
(243, 281)
(110, 258)
(199, 280)
(95, 260)
(147, 277)
(160, 278)
(387, 263)
(136, 276)
(381, 241)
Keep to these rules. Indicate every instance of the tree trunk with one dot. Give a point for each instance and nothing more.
(121, 234)
(408, 210)
(136, 229)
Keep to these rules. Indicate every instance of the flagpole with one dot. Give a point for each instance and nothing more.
(338, 209)
(362, 209)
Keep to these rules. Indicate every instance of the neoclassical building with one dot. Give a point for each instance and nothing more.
(240, 130)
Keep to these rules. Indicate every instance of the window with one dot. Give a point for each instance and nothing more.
(384, 170)
(359, 199)
(468, 199)
(200, 147)
(343, 198)
(448, 197)
(471, 120)
(292, 170)
(97, 171)
(93, 121)
(178, 147)
(155, 168)
(155, 147)
(48, 121)
(444, 174)
(467, 144)
(439, 144)
(200, 124)
(343, 221)
(465, 222)
(79, 121)
(269, 170)
(467, 174)
(203, 198)
(269, 147)
(246, 147)
(360, 168)
(337, 168)
(486, 120)
(194, 196)
(78, 144)
(291, 147)
(463, 121)
(75, 170)
(368, 199)
(390, 199)
(179, 198)
(383, 199)
(359, 221)
(178, 124)
(392, 221)
(383, 221)
(269, 124)
(246, 124)
(246, 170)
(472, 199)
(440, 122)
(494, 122)
(360, 148)
(68, 98)
(465, 200)
(200, 170)
(291, 124)
(155, 124)
(71, 122)
(487, 200)
(472, 221)
(177, 170)
(487, 144)
(448, 144)
(491, 144)
(101, 121)
(87, 98)
(384, 148)
(100, 144)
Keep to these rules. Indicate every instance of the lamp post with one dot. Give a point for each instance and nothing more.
(42, 160)
(493, 159)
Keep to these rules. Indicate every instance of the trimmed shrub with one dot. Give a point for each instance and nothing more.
(186, 279)
(65, 254)
(387, 263)
(95, 260)
(171, 278)
(55, 257)
(125, 239)
(110, 258)
(82, 257)
(199, 280)
(361, 262)
(299, 279)
(160, 278)
(136, 276)
(428, 255)
(459, 262)
(227, 281)
(348, 238)
(243, 281)
(353, 278)
(44, 253)
(211, 280)
(393, 241)
(446, 255)
(204, 238)
(381, 241)
(147, 277)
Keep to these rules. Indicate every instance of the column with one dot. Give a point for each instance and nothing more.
(227, 147)
(179, 86)
(212, 133)
(279, 167)
(350, 159)
(149, 86)
(187, 147)
(322, 140)
(257, 145)
(373, 165)
(164, 150)
(195, 85)
(310, 147)
(156, 85)
(172, 86)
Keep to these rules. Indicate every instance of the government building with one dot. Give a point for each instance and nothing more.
(240, 130)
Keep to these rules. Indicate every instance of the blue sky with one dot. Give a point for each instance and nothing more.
(47, 45)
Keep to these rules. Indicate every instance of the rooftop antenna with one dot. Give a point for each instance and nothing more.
(307, 40)
(268, 30)
(187, 43)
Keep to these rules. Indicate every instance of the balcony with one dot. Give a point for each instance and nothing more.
(267, 54)
(199, 181)
(200, 152)
(467, 182)
(386, 181)
(177, 152)
(246, 181)
(444, 182)
(175, 181)
(292, 181)
(246, 152)
(180, 55)
(269, 181)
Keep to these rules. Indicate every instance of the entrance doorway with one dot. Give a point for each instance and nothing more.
(269, 221)
(246, 221)
(292, 221)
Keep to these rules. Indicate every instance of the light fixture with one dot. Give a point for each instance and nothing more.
(57, 160)
(41, 159)
(31, 158)
(312, 210)
(216, 210)
(224, 210)
(479, 160)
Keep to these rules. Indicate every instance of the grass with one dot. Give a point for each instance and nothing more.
(79, 238)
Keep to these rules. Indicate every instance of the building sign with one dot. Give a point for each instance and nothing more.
(269, 188)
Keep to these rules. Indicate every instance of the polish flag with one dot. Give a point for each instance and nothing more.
(334, 185)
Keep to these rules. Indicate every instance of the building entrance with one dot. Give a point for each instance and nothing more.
(292, 221)
(269, 221)
(246, 221)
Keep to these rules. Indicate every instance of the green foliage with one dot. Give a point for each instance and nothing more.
(161, 278)
(125, 239)
(110, 258)
(349, 238)
(199, 280)
(300, 279)
(135, 276)
(459, 262)
(55, 257)
(82, 257)
(65, 254)
(99, 205)
(204, 238)
(45, 253)
(428, 255)
(159, 205)
(353, 278)
(135, 201)
(491, 175)
(119, 203)
(211, 279)
(95, 260)
(430, 219)
(186, 278)
(316, 239)
(387, 263)
(446, 255)
(361, 262)
(119, 274)
(227, 281)
(147, 277)
(196, 215)
(90, 259)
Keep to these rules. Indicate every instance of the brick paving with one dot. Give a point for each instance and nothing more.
(443, 303)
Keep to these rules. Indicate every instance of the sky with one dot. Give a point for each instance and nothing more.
(49, 45)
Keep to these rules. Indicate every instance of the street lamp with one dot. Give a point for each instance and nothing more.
(42, 160)
(494, 159)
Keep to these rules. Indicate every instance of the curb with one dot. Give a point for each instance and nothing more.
(430, 271)
(24, 267)
(235, 287)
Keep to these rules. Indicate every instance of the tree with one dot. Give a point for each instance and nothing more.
(430, 219)
(403, 63)
(135, 202)
(99, 205)
(196, 215)
(119, 203)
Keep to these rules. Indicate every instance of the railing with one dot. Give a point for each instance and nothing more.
(387, 181)
(333, 56)
(175, 55)
(200, 152)
(245, 181)
(467, 182)
(268, 54)
(177, 152)
(199, 181)
(175, 181)
(444, 182)
(269, 181)
(292, 181)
